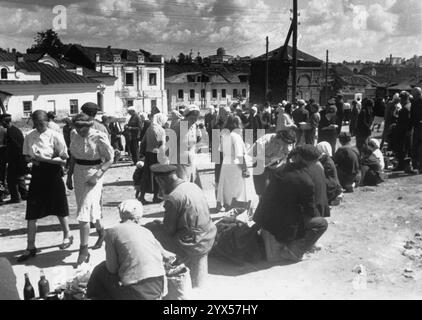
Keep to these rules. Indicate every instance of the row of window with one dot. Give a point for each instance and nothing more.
(130, 103)
(192, 94)
(130, 79)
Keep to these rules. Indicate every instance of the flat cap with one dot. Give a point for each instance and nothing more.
(163, 169)
(90, 107)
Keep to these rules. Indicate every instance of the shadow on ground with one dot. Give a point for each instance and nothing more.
(40, 229)
(221, 267)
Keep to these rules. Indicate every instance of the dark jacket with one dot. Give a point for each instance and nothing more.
(15, 157)
(316, 172)
(364, 124)
(331, 178)
(288, 200)
(348, 166)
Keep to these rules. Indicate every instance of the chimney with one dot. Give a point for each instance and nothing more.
(97, 57)
(79, 71)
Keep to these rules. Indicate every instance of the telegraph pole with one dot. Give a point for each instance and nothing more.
(266, 69)
(326, 78)
(294, 55)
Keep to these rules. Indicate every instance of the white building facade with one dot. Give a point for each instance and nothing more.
(206, 90)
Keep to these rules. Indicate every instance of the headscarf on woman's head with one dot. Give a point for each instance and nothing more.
(325, 148)
(159, 119)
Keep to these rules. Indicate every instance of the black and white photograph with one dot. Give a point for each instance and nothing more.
(207, 151)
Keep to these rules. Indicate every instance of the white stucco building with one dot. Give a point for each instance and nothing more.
(205, 87)
(27, 86)
(140, 75)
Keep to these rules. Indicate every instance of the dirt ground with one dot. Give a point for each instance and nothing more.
(377, 228)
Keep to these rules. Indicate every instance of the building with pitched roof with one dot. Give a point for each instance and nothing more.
(309, 76)
(42, 83)
(140, 75)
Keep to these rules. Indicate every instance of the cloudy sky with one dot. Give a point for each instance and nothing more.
(350, 29)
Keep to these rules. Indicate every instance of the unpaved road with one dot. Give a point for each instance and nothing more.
(370, 228)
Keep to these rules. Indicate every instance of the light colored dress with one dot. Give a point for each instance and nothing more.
(187, 164)
(88, 198)
(232, 185)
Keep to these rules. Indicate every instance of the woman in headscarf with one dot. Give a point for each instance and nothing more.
(365, 120)
(284, 121)
(354, 117)
(92, 156)
(46, 150)
(232, 185)
(175, 119)
(334, 189)
(153, 141)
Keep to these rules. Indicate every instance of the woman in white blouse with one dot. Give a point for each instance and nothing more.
(46, 151)
(92, 156)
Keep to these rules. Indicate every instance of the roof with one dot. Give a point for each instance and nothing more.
(106, 54)
(301, 56)
(5, 56)
(86, 71)
(52, 75)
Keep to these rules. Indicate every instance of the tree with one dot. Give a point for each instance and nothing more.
(173, 60)
(198, 60)
(181, 58)
(48, 42)
(2, 50)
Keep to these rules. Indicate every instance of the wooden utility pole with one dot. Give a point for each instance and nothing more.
(326, 78)
(266, 69)
(294, 55)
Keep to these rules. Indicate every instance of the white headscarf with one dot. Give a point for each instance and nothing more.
(159, 119)
(325, 147)
(131, 210)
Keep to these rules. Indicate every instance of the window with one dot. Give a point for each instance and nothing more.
(152, 79)
(180, 94)
(27, 108)
(223, 93)
(74, 107)
(192, 94)
(244, 93)
(153, 104)
(214, 93)
(203, 93)
(4, 74)
(129, 103)
(129, 80)
(235, 93)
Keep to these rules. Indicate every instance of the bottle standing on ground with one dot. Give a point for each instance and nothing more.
(28, 289)
(43, 285)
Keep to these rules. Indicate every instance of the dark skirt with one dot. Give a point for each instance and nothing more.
(148, 183)
(47, 193)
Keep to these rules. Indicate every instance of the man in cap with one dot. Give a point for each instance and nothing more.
(134, 128)
(91, 109)
(16, 164)
(254, 122)
(288, 210)
(416, 120)
(188, 136)
(133, 269)
(187, 229)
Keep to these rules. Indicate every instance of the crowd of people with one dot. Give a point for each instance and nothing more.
(303, 161)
